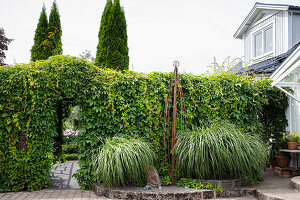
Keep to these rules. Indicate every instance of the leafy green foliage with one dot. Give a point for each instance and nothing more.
(221, 151)
(112, 48)
(111, 103)
(165, 181)
(273, 119)
(54, 31)
(71, 156)
(121, 162)
(40, 49)
(192, 183)
(28, 97)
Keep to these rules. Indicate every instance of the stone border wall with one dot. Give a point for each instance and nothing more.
(231, 188)
(166, 193)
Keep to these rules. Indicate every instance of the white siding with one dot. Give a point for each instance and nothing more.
(280, 24)
(281, 33)
(247, 48)
(295, 28)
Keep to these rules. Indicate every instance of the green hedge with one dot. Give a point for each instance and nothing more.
(112, 103)
(29, 94)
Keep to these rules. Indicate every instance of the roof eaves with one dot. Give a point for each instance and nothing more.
(237, 34)
(294, 9)
(256, 7)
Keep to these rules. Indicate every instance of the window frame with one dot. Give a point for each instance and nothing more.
(254, 35)
(262, 31)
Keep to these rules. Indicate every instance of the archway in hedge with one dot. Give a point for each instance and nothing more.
(31, 110)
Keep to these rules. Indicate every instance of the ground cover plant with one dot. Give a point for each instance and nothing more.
(221, 151)
(122, 161)
(192, 183)
(111, 103)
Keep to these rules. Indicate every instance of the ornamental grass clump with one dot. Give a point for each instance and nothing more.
(121, 161)
(221, 151)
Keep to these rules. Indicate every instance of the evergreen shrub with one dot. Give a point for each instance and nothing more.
(54, 31)
(112, 48)
(47, 38)
(41, 47)
(111, 102)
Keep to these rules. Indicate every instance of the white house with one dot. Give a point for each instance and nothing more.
(271, 40)
(269, 30)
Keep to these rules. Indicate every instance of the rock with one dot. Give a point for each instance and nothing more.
(153, 179)
(147, 187)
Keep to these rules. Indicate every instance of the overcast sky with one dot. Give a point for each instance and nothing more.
(159, 31)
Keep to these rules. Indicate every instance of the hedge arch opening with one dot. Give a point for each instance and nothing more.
(34, 101)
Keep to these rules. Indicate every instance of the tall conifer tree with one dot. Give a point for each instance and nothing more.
(40, 48)
(54, 31)
(112, 49)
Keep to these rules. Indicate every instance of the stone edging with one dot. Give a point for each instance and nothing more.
(295, 183)
(228, 184)
(134, 193)
(263, 196)
(231, 188)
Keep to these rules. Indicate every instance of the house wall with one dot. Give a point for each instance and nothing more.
(280, 42)
(293, 117)
(295, 28)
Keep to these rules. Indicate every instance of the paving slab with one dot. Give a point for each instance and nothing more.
(276, 188)
(51, 194)
(62, 176)
(64, 187)
(295, 183)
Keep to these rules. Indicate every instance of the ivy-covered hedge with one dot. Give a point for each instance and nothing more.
(112, 103)
(29, 95)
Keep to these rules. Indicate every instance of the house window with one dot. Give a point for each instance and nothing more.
(263, 41)
(257, 44)
(268, 42)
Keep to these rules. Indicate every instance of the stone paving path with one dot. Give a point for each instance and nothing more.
(61, 176)
(64, 186)
(51, 194)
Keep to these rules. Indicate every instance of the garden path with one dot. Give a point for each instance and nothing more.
(64, 186)
(61, 176)
(277, 188)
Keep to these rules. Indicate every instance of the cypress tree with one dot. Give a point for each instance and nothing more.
(40, 48)
(112, 49)
(102, 32)
(54, 31)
